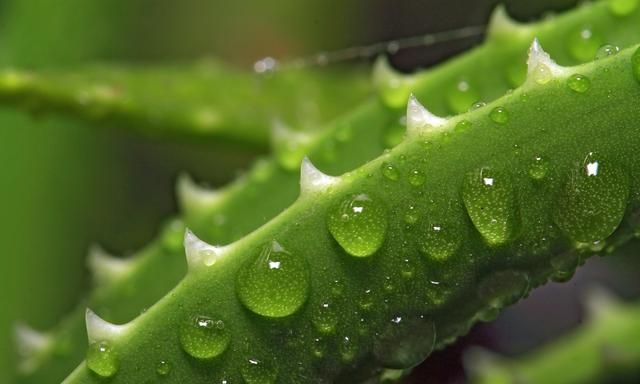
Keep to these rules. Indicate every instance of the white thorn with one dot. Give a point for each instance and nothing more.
(600, 301)
(30, 343)
(193, 197)
(102, 330)
(105, 267)
(540, 66)
(420, 120)
(200, 253)
(312, 179)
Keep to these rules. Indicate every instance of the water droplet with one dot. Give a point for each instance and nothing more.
(325, 318)
(463, 125)
(635, 64)
(390, 171)
(491, 204)
(542, 74)
(606, 51)
(477, 105)
(564, 266)
(163, 368)
(348, 349)
(593, 200)
(204, 337)
(337, 288)
(405, 342)
(416, 178)
(256, 371)
(407, 269)
(359, 224)
(461, 97)
(579, 83)
(275, 284)
(439, 241)
(388, 284)
(503, 288)
(583, 44)
(411, 216)
(318, 348)
(499, 115)
(623, 7)
(539, 168)
(102, 360)
(366, 300)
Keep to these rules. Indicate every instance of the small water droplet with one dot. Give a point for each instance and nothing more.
(359, 224)
(318, 348)
(411, 215)
(583, 43)
(390, 171)
(499, 115)
(439, 241)
(274, 284)
(491, 204)
(463, 125)
(579, 83)
(337, 288)
(417, 178)
(388, 284)
(405, 342)
(623, 7)
(542, 74)
(348, 349)
(257, 371)
(163, 368)
(366, 300)
(325, 318)
(102, 360)
(461, 96)
(593, 200)
(606, 51)
(407, 269)
(477, 105)
(503, 288)
(204, 337)
(539, 168)
(564, 266)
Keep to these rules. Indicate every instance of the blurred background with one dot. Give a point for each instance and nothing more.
(66, 185)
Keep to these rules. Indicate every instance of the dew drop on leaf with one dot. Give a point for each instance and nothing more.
(347, 348)
(593, 200)
(390, 171)
(439, 241)
(405, 342)
(102, 360)
(578, 83)
(623, 7)
(461, 96)
(417, 178)
(606, 51)
(359, 224)
(499, 115)
(163, 368)
(274, 284)
(564, 266)
(583, 43)
(258, 371)
(325, 318)
(491, 204)
(542, 74)
(538, 168)
(204, 337)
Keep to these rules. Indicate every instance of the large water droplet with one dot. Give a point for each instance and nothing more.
(635, 64)
(439, 240)
(275, 284)
(461, 97)
(405, 342)
(390, 171)
(583, 43)
(499, 115)
(102, 360)
(325, 318)
(503, 288)
(593, 200)
(579, 83)
(204, 337)
(491, 204)
(256, 371)
(359, 224)
(623, 7)
(542, 74)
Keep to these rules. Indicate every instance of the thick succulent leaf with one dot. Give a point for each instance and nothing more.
(544, 171)
(203, 100)
(603, 350)
(242, 207)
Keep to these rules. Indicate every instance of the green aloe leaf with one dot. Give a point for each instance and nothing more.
(207, 99)
(375, 291)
